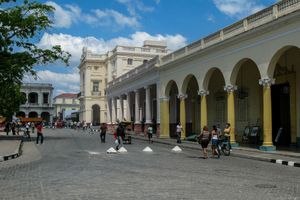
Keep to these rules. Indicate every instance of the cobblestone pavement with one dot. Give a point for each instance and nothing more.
(75, 165)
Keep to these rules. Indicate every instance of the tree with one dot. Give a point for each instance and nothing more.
(20, 24)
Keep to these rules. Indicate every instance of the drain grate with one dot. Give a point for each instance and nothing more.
(265, 186)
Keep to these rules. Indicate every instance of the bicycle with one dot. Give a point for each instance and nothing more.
(223, 145)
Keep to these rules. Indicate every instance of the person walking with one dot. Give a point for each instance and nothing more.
(32, 127)
(214, 142)
(103, 129)
(227, 134)
(204, 140)
(7, 128)
(27, 132)
(150, 133)
(119, 134)
(39, 129)
(13, 128)
(178, 132)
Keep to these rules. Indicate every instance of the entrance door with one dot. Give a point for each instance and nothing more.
(281, 114)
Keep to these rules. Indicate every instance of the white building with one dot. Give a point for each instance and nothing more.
(98, 69)
(38, 101)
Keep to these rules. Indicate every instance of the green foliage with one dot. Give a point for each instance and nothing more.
(20, 23)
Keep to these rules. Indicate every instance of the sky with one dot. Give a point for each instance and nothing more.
(100, 25)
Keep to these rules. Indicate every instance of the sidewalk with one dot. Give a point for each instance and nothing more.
(10, 149)
(279, 157)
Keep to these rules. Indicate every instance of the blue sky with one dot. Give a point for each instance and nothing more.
(102, 24)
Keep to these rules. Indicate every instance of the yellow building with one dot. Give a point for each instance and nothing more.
(65, 104)
(247, 74)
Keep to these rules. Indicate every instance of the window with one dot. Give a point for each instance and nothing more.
(45, 98)
(129, 61)
(73, 101)
(95, 86)
(64, 100)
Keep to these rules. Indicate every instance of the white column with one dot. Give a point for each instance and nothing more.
(137, 107)
(148, 105)
(40, 98)
(128, 107)
(121, 111)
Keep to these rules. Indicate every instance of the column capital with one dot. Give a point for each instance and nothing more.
(266, 82)
(230, 88)
(182, 96)
(203, 92)
(136, 91)
(146, 87)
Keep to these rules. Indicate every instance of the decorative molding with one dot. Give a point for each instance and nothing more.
(230, 88)
(182, 96)
(203, 92)
(266, 82)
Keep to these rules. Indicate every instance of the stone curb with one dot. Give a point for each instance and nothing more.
(13, 155)
(264, 159)
(283, 162)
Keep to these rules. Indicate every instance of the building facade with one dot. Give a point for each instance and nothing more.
(38, 101)
(96, 70)
(65, 104)
(247, 74)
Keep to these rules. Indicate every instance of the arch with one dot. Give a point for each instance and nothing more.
(187, 81)
(192, 105)
(248, 97)
(174, 110)
(96, 114)
(21, 114)
(169, 86)
(33, 114)
(33, 98)
(45, 116)
(276, 57)
(284, 68)
(237, 67)
(217, 98)
(208, 76)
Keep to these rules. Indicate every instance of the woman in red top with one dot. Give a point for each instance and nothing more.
(39, 128)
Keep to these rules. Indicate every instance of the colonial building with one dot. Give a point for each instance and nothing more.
(65, 104)
(247, 74)
(38, 101)
(96, 70)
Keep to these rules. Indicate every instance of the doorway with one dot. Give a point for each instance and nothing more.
(281, 116)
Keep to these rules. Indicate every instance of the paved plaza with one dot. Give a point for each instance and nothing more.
(74, 165)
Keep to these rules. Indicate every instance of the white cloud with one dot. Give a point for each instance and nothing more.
(133, 6)
(69, 82)
(65, 16)
(62, 82)
(211, 18)
(74, 44)
(62, 18)
(108, 17)
(238, 8)
(157, 1)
